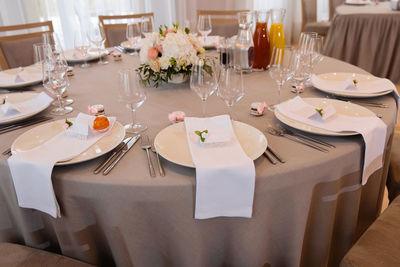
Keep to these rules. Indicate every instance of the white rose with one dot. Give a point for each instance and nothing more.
(164, 62)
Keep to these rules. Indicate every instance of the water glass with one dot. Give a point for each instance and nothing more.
(279, 67)
(82, 45)
(204, 26)
(203, 80)
(299, 68)
(97, 37)
(147, 26)
(230, 87)
(133, 34)
(131, 93)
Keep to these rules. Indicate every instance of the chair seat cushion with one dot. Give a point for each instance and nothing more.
(13, 255)
(320, 27)
(380, 243)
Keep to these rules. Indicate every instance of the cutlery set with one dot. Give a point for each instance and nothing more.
(116, 155)
(19, 125)
(274, 155)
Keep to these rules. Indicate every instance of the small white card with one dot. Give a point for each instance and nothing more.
(8, 109)
(348, 84)
(78, 130)
(316, 113)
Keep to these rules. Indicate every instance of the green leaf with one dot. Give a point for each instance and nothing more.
(319, 110)
(187, 30)
(68, 122)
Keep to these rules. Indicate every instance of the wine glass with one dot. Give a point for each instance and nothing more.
(55, 82)
(230, 87)
(97, 37)
(41, 52)
(204, 26)
(131, 93)
(147, 26)
(203, 80)
(316, 46)
(133, 34)
(61, 62)
(279, 67)
(299, 68)
(82, 44)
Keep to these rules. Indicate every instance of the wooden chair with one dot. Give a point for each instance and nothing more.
(309, 18)
(17, 50)
(116, 32)
(224, 22)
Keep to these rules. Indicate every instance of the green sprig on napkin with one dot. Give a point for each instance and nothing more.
(69, 123)
(200, 133)
(320, 111)
(3, 102)
(355, 82)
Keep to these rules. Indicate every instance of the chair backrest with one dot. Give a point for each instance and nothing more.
(116, 32)
(309, 12)
(332, 6)
(224, 22)
(17, 50)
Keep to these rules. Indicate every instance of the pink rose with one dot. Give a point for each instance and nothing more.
(159, 48)
(152, 53)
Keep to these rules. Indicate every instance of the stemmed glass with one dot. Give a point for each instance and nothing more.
(299, 67)
(230, 87)
(82, 44)
(204, 26)
(97, 37)
(316, 45)
(279, 67)
(147, 26)
(132, 94)
(55, 81)
(203, 80)
(133, 34)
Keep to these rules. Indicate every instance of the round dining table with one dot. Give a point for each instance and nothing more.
(367, 36)
(308, 211)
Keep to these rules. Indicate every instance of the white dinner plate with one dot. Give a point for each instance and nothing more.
(171, 142)
(342, 76)
(93, 54)
(127, 45)
(342, 107)
(42, 133)
(356, 2)
(35, 76)
(21, 97)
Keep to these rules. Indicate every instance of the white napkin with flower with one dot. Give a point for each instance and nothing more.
(372, 129)
(352, 84)
(31, 170)
(24, 75)
(225, 175)
(11, 110)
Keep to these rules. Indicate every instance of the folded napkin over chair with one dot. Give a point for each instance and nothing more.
(31, 170)
(225, 175)
(372, 129)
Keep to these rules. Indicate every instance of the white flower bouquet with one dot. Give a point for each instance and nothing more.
(171, 51)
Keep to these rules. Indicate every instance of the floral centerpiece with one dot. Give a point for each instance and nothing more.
(169, 53)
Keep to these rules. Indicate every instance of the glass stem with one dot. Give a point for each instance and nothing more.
(279, 93)
(60, 104)
(133, 117)
(203, 105)
(230, 112)
(101, 59)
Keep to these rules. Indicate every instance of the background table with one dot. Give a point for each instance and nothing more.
(307, 212)
(368, 37)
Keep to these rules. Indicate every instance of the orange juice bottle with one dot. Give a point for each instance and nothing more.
(276, 34)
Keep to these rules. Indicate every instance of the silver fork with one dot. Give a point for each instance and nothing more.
(7, 152)
(160, 167)
(145, 143)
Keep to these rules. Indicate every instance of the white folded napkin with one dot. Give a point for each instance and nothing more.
(225, 175)
(367, 87)
(75, 54)
(212, 40)
(31, 170)
(372, 129)
(39, 102)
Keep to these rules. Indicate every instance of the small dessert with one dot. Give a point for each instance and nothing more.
(70, 71)
(96, 110)
(257, 108)
(101, 123)
(117, 55)
(176, 116)
(65, 93)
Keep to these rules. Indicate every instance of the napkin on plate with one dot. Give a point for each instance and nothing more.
(372, 129)
(39, 102)
(24, 75)
(225, 175)
(31, 170)
(368, 87)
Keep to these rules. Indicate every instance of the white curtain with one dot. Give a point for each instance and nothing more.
(70, 15)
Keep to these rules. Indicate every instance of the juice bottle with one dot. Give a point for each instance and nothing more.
(276, 34)
(261, 41)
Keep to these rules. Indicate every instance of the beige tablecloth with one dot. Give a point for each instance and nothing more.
(308, 211)
(368, 37)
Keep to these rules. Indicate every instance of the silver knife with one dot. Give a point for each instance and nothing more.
(125, 150)
(278, 157)
(115, 152)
